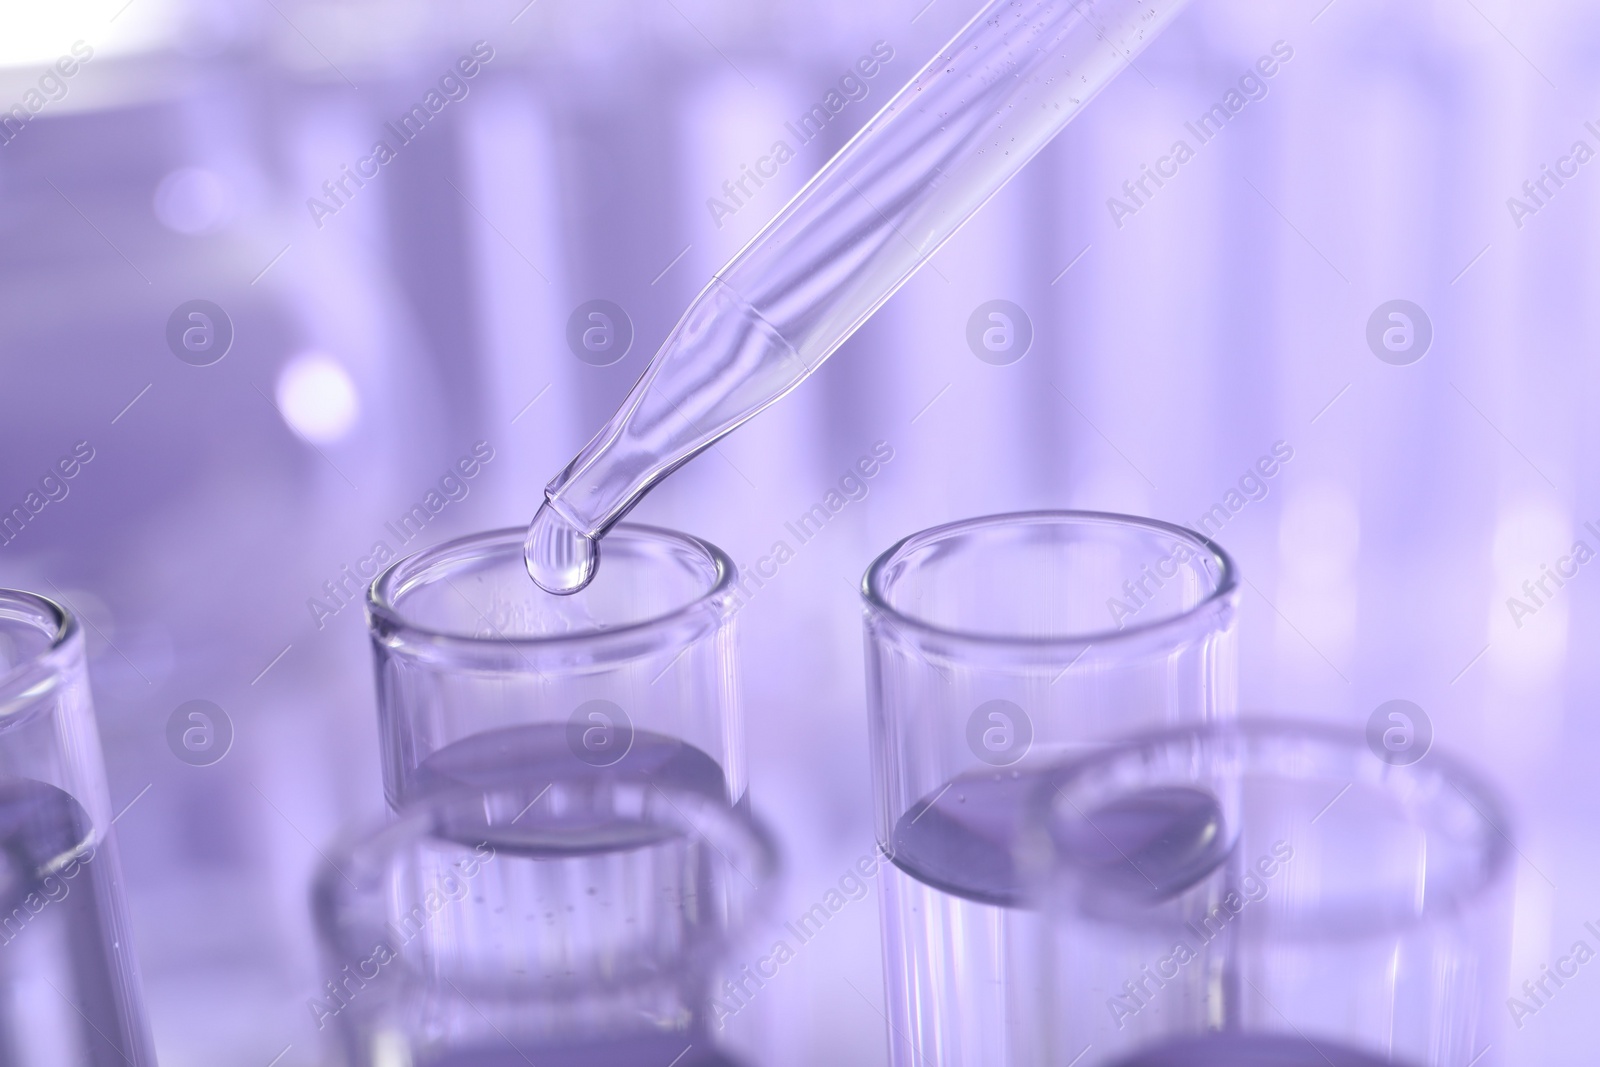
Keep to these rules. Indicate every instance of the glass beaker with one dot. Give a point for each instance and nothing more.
(69, 985)
(483, 677)
(993, 646)
(1269, 892)
(570, 924)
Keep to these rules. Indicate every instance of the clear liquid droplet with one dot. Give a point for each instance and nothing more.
(561, 558)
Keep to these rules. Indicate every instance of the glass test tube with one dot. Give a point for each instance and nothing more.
(1269, 892)
(483, 678)
(994, 645)
(573, 924)
(69, 986)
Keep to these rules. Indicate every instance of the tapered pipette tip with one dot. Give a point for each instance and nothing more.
(561, 558)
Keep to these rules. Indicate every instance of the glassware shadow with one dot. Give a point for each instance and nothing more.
(577, 922)
(1307, 903)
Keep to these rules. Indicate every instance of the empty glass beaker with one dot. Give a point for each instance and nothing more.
(993, 646)
(570, 924)
(1269, 892)
(69, 986)
(483, 677)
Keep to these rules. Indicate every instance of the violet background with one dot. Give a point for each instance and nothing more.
(1170, 352)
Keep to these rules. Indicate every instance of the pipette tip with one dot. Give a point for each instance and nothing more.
(561, 559)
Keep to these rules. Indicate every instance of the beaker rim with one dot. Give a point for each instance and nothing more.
(1220, 597)
(408, 572)
(47, 617)
(1258, 738)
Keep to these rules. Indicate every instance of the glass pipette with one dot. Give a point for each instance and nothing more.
(997, 93)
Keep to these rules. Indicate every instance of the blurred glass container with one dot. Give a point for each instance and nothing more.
(566, 924)
(483, 678)
(994, 645)
(1269, 892)
(69, 984)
